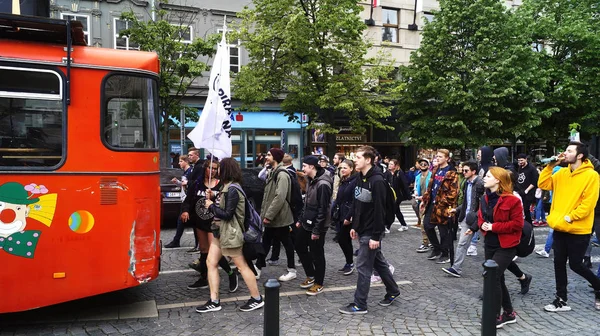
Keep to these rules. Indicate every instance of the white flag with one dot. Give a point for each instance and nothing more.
(213, 131)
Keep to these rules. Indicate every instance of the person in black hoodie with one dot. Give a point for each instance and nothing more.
(313, 224)
(527, 178)
(368, 227)
(343, 209)
(485, 157)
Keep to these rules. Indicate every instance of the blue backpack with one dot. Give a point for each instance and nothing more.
(253, 226)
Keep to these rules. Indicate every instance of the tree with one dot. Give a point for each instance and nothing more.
(169, 37)
(567, 35)
(473, 80)
(312, 55)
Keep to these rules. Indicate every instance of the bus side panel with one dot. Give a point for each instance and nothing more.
(77, 244)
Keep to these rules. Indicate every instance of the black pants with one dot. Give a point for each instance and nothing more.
(571, 246)
(444, 244)
(527, 208)
(345, 242)
(283, 235)
(503, 257)
(399, 215)
(312, 254)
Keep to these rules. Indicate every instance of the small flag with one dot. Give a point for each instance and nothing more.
(213, 131)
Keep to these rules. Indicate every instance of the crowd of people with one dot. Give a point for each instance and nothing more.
(457, 205)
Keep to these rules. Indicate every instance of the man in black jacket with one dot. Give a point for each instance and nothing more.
(368, 227)
(467, 215)
(527, 177)
(313, 224)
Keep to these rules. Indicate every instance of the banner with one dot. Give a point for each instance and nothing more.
(213, 131)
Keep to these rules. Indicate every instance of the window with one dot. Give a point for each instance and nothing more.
(123, 42)
(390, 25)
(85, 21)
(427, 17)
(186, 33)
(31, 118)
(234, 56)
(130, 107)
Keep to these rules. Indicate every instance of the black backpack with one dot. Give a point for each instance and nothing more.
(390, 205)
(253, 225)
(527, 242)
(295, 202)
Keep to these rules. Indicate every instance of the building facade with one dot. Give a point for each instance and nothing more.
(395, 25)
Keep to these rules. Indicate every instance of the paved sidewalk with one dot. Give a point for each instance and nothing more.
(431, 302)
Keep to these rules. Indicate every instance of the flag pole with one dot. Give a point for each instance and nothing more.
(213, 142)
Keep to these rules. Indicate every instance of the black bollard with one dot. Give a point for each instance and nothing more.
(271, 308)
(488, 310)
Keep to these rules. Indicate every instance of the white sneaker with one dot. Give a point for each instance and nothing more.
(291, 275)
(403, 228)
(392, 269)
(375, 279)
(472, 250)
(543, 253)
(387, 230)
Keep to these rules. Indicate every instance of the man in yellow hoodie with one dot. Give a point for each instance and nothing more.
(571, 216)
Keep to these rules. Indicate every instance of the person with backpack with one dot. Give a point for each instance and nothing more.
(368, 226)
(276, 212)
(313, 224)
(500, 220)
(229, 211)
(438, 201)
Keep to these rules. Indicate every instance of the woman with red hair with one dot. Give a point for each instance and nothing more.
(501, 223)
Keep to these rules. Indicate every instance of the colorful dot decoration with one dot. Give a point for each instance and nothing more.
(81, 221)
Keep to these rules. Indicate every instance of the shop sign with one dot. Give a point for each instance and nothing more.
(350, 138)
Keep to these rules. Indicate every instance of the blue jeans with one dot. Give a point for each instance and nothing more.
(366, 261)
(549, 241)
(540, 214)
(475, 238)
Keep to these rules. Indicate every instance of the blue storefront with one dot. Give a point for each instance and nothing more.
(254, 133)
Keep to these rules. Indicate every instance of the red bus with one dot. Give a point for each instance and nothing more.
(79, 165)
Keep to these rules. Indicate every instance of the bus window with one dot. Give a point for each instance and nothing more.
(31, 118)
(130, 112)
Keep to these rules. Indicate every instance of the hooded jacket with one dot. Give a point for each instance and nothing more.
(575, 194)
(316, 214)
(275, 205)
(486, 160)
(230, 216)
(369, 204)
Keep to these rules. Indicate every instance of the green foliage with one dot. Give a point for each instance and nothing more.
(179, 64)
(312, 55)
(473, 81)
(568, 35)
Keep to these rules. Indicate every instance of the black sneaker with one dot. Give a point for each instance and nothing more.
(233, 282)
(388, 299)
(352, 309)
(209, 306)
(347, 269)
(252, 304)
(443, 260)
(506, 319)
(201, 283)
(172, 245)
(434, 255)
(525, 283)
